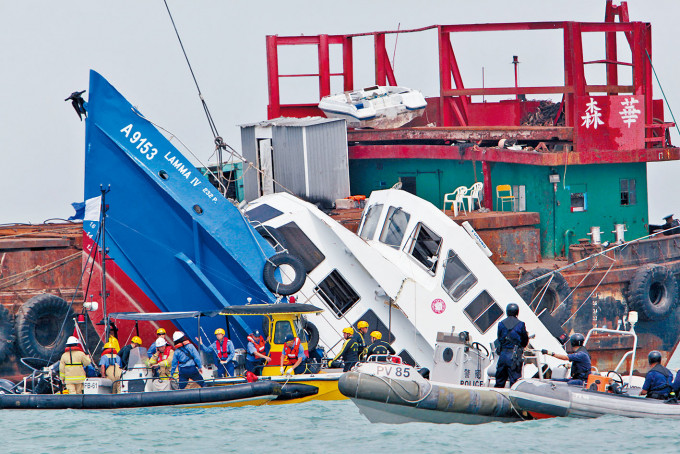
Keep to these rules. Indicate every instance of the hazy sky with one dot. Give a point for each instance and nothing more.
(48, 47)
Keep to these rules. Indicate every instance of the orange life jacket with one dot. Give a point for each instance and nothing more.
(182, 344)
(291, 353)
(259, 343)
(222, 348)
(109, 351)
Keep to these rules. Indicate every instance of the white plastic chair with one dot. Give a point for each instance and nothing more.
(455, 198)
(473, 194)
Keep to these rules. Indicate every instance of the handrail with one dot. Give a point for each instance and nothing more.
(620, 333)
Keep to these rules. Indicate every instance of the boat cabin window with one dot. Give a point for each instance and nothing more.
(371, 221)
(483, 311)
(406, 358)
(457, 277)
(301, 246)
(263, 213)
(375, 324)
(395, 227)
(302, 334)
(425, 247)
(282, 328)
(337, 293)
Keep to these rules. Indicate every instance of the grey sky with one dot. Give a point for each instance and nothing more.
(48, 47)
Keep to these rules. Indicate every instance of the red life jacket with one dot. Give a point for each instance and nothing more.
(109, 351)
(259, 344)
(291, 353)
(222, 350)
(73, 348)
(162, 356)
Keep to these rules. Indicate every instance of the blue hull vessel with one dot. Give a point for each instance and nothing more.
(174, 243)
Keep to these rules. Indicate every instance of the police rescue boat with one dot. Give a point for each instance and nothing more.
(458, 391)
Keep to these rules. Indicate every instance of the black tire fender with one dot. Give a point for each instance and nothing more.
(7, 333)
(269, 274)
(312, 334)
(653, 292)
(273, 237)
(39, 313)
(555, 295)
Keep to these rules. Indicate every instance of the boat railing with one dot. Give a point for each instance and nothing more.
(630, 353)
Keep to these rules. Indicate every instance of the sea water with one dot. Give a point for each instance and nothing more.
(316, 426)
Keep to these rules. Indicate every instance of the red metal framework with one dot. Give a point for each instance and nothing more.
(454, 106)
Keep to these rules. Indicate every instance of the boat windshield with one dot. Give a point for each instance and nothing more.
(395, 227)
(137, 356)
(371, 221)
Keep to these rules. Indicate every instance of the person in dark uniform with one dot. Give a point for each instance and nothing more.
(124, 352)
(349, 351)
(361, 337)
(512, 339)
(378, 346)
(580, 361)
(671, 226)
(659, 380)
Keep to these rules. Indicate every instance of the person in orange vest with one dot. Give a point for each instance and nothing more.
(186, 361)
(256, 356)
(72, 366)
(110, 366)
(224, 351)
(293, 356)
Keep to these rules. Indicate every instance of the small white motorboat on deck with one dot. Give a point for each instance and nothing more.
(381, 107)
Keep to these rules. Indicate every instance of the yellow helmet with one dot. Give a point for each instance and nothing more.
(362, 324)
(160, 331)
(376, 334)
(108, 345)
(348, 330)
(219, 331)
(137, 340)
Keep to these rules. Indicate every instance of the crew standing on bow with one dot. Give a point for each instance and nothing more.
(186, 361)
(350, 349)
(580, 361)
(72, 366)
(378, 346)
(293, 358)
(512, 340)
(658, 382)
(110, 366)
(224, 352)
(256, 356)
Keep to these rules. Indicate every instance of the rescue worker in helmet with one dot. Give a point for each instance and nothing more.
(580, 360)
(256, 356)
(350, 349)
(378, 346)
(511, 342)
(160, 334)
(224, 352)
(186, 361)
(124, 352)
(293, 358)
(162, 359)
(72, 366)
(658, 382)
(361, 336)
(110, 366)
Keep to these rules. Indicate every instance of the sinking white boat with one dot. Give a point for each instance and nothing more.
(411, 268)
(380, 107)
